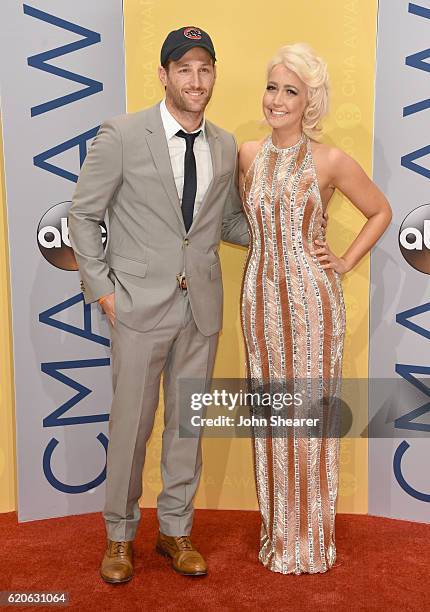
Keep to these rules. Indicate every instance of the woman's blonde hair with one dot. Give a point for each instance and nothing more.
(312, 70)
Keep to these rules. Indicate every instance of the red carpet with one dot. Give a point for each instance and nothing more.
(382, 565)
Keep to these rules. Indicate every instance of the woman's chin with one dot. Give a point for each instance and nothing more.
(275, 123)
(279, 125)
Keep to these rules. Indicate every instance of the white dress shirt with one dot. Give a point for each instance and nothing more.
(177, 148)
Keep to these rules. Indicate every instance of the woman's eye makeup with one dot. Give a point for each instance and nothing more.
(289, 90)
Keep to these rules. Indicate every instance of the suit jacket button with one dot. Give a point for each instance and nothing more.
(186, 242)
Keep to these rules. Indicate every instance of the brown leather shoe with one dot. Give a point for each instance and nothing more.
(185, 558)
(117, 564)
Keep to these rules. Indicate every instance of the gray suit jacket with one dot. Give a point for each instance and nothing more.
(127, 172)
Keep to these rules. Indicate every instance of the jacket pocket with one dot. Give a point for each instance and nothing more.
(215, 271)
(129, 266)
(225, 176)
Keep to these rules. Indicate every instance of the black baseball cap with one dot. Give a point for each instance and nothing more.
(180, 41)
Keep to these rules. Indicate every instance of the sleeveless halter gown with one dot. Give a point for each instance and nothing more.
(293, 320)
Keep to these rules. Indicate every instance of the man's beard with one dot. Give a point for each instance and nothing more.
(182, 105)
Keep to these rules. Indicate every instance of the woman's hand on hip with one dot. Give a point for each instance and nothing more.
(328, 259)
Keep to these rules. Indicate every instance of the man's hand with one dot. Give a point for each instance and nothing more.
(324, 223)
(107, 302)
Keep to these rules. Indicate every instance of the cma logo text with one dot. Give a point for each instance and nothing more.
(53, 237)
(414, 238)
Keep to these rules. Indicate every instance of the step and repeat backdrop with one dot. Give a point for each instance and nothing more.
(399, 483)
(62, 73)
(67, 66)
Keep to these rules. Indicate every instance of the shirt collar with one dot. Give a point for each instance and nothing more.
(171, 126)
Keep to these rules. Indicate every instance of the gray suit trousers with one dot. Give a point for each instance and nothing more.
(176, 348)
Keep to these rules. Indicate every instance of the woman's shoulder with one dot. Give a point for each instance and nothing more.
(247, 152)
(252, 144)
(333, 162)
(328, 152)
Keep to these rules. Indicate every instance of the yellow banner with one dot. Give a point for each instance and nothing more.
(7, 429)
(245, 36)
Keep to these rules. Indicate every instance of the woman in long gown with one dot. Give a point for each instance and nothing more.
(293, 313)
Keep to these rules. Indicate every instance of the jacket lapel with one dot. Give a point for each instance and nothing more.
(157, 143)
(216, 155)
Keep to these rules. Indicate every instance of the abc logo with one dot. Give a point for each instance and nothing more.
(53, 237)
(414, 238)
(348, 115)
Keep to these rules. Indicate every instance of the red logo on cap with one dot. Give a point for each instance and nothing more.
(193, 33)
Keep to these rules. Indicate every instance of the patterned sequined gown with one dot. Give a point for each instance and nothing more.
(293, 320)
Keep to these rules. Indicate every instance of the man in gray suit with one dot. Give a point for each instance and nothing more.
(166, 177)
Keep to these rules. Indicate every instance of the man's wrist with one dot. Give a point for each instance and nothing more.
(102, 299)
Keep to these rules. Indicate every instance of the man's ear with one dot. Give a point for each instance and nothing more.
(162, 75)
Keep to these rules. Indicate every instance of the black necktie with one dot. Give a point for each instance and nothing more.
(190, 178)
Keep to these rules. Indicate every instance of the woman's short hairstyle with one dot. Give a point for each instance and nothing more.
(312, 70)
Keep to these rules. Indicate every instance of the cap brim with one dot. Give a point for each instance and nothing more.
(178, 53)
